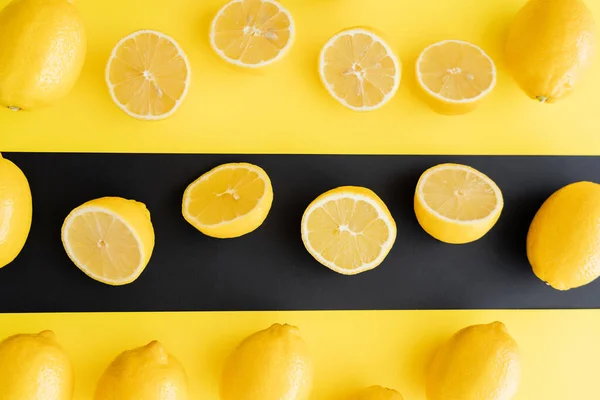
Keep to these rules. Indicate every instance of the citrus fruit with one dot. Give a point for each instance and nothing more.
(376, 393)
(480, 362)
(348, 229)
(252, 33)
(228, 201)
(563, 243)
(272, 364)
(42, 53)
(359, 69)
(148, 373)
(456, 203)
(15, 211)
(110, 239)
(35, 367)
(550, 45)
(148, 75)
(455, 76)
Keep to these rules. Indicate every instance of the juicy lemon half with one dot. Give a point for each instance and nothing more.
(148, 75)
(456, 203)
(348, 229)
(229, 201)
(359, 69)
(455, 76)
(110, 239)
(252, 33)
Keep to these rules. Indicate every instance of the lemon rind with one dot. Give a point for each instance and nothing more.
(385, 247)
(111, 87)
(87, 209)
(353, 31)
(452, 101)
(280, 55)
(187, 198)
(481, 175)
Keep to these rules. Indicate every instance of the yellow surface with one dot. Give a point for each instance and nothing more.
(285, 108)
(352, 349)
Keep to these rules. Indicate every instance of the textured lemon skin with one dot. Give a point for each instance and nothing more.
(451, 231)
(42, 53)
(272, 364)
(148, 373)
(34, 367)
(15, 211)
(480, 362)
(563, 243)
(376, 393)
(137, 217)
(550, 45)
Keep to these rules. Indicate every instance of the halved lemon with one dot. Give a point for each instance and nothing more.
(252, 33)
(456, 203)
(229, 201)
(148, 75)
(455, 76)
(348, 229)
(110, 239)
(359, 69)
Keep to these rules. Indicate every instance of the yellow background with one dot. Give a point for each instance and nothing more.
(285, 110)
(560, 349)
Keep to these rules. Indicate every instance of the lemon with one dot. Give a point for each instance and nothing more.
(144, 373)
(376, 393)
(455, 76)
(563, 243)
(456, 203)
(252, 33)
(110, 239)
(272, 364)
(229, 201)
(35, 367)
(148, 75)
(15, 211)
(480, 362)
(359, 69)
(42, 53)
(550, 44)
(348, 229)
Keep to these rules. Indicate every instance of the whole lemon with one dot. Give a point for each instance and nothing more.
(148, 373)
(42, 53)
(550, 44)
(272, 364)
(563, 243)
(480, 362)
(15, 211)
(376, 393)
(34, 367)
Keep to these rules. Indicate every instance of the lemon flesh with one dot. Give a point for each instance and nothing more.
(34, 366)
(359, 69)
(252, 33)
(148, 75)
(563, 243)
(456, 203)
(15, 211)
(376, 393)
(271, 364)
(348, 229)
(148, 373)
(110, 239)
(229, 201)
(455, 76)
(550, 45)
(480, 362)
(42, 53)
